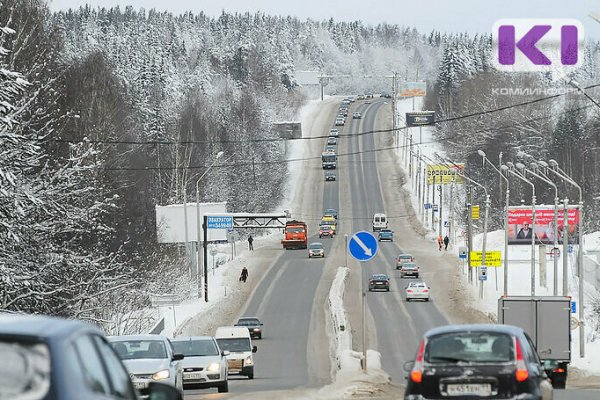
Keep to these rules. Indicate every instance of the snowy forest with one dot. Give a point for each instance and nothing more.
(106, 113)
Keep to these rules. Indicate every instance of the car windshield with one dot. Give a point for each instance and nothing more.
(316, 246)
(234, 344)
(248, 322)
(325, 227)
(24, 371)
(195, 347)
(472, 347)
(295, 230)
(405, 257)
(139, 349)
(379, 277)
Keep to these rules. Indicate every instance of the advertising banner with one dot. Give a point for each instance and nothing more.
(519, 225)
(444, 173)
(412, 89)
(420, 118)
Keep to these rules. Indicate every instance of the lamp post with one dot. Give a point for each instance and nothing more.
(559, 172)
(540, 175)
(485, 159)
(509, 167)
(199, 229)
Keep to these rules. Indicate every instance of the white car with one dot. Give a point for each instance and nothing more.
(149, 358)
(340, 121)
(418, 291)
(204, 365)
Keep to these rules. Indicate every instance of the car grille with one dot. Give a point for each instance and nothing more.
(141, 376)
(193, 369)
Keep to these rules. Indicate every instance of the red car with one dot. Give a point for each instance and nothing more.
(326, 230)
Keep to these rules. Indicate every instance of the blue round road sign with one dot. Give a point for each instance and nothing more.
(362, 246)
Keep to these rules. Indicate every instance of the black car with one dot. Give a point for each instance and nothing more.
(379, 282)
(477, 361)
(56, 359)
(253, 324)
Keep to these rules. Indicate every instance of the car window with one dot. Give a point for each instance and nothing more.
(140, 349)
(470, 347)
(234, 344)
(119, 378)
(92, 368)
(24, 371)
(196, 347)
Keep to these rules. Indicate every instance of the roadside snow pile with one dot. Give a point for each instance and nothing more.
(340, 324)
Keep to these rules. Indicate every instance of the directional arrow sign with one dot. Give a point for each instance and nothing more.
(362, 246)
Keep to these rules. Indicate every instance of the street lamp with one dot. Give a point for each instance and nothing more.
(510, 168)
(540, 175)
(199, 229)
(485, 159)
(562, 174)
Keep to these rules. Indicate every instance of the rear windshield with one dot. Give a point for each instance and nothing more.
(470, 347)
(197, 347)
(24, 370)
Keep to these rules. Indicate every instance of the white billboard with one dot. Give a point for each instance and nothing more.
(170, 222)
(307, 77)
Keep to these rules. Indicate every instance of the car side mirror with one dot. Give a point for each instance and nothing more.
(178, 357)
(225, 353)
(254, 349)
(261, 324)
(408, 366)
(163, 391)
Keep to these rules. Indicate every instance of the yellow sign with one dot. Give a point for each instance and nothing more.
(492, 258)
(444, 173)
(475, 212)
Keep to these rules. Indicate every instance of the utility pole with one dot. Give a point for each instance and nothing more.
(441, 189)
(565, 238)
(483, 247)
(205, 251)
(469, 232)
(432, 207)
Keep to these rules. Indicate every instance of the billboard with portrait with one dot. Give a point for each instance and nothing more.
(520, 229)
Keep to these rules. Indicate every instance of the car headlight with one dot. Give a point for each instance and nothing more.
(256, 329)
(214, 367)
(249, 361)
(160, 375)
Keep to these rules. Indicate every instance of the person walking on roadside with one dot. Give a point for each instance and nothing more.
(446, 241)
(244, 275)
(250, 241)
(440, 241)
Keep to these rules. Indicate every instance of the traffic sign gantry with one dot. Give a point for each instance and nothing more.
(362, 246)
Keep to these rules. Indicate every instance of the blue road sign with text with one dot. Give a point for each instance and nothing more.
(362, 246)
(573, 307)
(219, 222)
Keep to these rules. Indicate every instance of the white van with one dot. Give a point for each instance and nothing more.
(379, 222)
(236, 340)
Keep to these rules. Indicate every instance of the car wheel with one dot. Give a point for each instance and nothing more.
(417, 276)
(223, 387)
(370, 290)
(388, 289)
(427, 299)
(251, 375)
(407, 300)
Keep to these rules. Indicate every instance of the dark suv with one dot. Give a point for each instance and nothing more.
(477, 361)
(253, 324)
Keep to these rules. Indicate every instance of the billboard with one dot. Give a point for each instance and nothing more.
(307, 77)
(519, 224)
(412, 89)
(170, 225)
(444, 173)
(420, 118)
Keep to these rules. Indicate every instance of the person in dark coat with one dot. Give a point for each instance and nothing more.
(446, 241)
(244, 275)
(250, 241)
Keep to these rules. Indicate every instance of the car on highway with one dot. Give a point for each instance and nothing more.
(343, 112)
(379, 282)
(557, 372)
(331, 140)
(360, 97)
(330, 176)
(316, 249)
(254, 326)
(350, 99)
(330, 148)
(345, 102)
(380, 221)
(409, 269)
(204, 365)
(403, 258)
(329, 220)
(356, 115)
(331, 212)
(385, 234)
(369, 96)
(326, 230)
(368, 101)
(334, 132)
(237, 341)
(385, 95)
(476, 362)
(340, 121)
(149, 358)
(417, 291)
(56, 359)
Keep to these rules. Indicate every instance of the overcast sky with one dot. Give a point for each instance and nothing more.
(445, 15)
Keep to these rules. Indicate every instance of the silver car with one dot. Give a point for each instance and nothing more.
(316, 250)
(149, 358)
(204, 365)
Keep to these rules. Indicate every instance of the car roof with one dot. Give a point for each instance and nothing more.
(189, 338)
(41, 326)
(507, 329)
(123, 338)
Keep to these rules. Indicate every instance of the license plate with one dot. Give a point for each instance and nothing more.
(140, 385)
(477, 389)
(192, 375)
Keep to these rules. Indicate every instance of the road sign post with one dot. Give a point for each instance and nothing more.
(363, 247)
